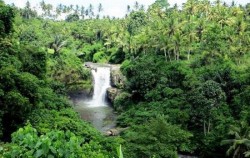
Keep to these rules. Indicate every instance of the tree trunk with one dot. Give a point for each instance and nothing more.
(189, 53)
(178, 53)
(175, 54)
(209, 125)
(204, 127)
(165, 54)
(169, 56)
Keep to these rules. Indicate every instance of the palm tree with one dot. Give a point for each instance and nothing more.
(177, 43)
(205, 7)
(77, 10)
(64, 9)
(190, 7)
(58, 10)
(189, 36)
(27, 10)
(43, 5)
(128, 9)
(91, 11)
(142, 8)
(240, 144)
(100, 8)
(137, 5)
(71, 7)
(247, 153)
(82, 12)
(200, 28)
(87, 12)
(60, 7)
(57, 44)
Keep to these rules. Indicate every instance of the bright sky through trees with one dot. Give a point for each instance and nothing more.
(112, 8)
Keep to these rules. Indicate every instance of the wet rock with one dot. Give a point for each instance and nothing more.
(117, 78)
(115, 131)
(112, 93)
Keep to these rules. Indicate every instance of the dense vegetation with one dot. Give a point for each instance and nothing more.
(187, 89)
(33, 84)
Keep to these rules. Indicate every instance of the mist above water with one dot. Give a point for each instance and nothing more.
(97, 110)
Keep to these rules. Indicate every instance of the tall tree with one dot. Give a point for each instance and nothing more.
(91, 11)
(137, 5)
(6, 19)
(128, 9)
(100, 8)
(57, 44)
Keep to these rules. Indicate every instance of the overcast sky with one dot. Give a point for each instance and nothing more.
(115, 8)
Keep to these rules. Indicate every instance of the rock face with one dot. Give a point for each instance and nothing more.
(117, 78)
(112, 93)
(117, 83)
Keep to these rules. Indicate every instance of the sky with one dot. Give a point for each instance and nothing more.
(113, 8)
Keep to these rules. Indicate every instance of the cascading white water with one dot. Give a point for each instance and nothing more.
(96, 110)
(101, 77)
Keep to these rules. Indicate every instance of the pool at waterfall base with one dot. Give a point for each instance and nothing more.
(97, 110)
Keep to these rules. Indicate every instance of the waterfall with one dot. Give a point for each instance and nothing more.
(101, 77)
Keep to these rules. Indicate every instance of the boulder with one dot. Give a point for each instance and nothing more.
(112, 93)
(115, 131)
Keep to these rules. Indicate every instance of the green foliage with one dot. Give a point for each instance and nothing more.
(136, 20)
(240, 144)
(23, 91)
(140, 82)
(34, 62)
(161, 3)
(68, 70)
(204, 100)
(27, 143)
(189, 65)
(241, 103)
(44, 121)
(116, 56)
(72, 17)
(119, 151)
(57, 44)
(6, 19)
(28, 92)
(100, 57)
(176, 111)
(90, 49)
(198, 99)
(156, 138)
(149, 84)
(122, 100)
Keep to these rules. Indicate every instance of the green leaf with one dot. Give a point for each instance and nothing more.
(39, 153)
(119, 150)
(50, 156)
(52, 149)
